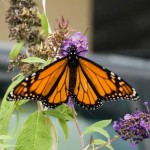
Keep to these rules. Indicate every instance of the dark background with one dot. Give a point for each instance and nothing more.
(122, 27)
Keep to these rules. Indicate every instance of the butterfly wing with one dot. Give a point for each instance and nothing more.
(50, 85)
(95, 84)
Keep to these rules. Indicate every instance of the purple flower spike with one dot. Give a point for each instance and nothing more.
(70, 102)
(134, 127)
(78, 40)
(132, 145)
(145, 103)
(127, 117)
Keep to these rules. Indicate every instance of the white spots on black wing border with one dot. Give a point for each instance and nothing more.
(33, 74)
(98, 104)
(26, 79)
(120, 96)
(45, 103)
(113, 74)
(119, 78)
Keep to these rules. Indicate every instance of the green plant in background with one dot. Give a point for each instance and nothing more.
(36, 47)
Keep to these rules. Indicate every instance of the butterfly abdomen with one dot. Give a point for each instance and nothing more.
(72, 79)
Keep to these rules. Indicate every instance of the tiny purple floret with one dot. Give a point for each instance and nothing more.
(70, 102)
(145, 103)
(127, 117)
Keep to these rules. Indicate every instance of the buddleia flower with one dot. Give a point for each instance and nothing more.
(134, 127)
(78, 40)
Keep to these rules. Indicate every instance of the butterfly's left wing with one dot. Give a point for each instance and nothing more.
(95, 84)
(49, 85)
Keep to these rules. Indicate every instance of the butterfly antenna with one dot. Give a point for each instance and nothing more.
(64, 51)
(86, 30)
(81, 51)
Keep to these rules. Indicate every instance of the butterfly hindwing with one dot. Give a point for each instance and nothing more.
(84, 93)
(98, 84)
(50, 85)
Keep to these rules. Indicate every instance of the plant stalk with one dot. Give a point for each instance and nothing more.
(78, 129)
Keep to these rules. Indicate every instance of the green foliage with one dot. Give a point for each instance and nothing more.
(37, 133)
(33, 60)
(64, 126)
(5, 145)
(90, 130)
(64, 114)
(102, 142)
(16, 50)
(7, 108)
(98, 128)
(45, 24)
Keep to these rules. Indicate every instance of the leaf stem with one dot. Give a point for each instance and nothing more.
(78, 129)
(40, 106)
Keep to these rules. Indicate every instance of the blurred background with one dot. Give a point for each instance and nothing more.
(119, 39)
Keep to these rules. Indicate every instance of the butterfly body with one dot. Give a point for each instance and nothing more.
(73, 62)
(75, 77)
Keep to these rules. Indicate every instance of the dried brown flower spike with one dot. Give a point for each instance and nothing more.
(52, 45)
(23, 17)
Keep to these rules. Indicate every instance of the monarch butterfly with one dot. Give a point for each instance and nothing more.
(87, 83)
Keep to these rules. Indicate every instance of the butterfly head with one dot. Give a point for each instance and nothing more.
(76, 44)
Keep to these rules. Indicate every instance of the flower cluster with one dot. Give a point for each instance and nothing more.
(134, 127)
(78, 40)
(23, 17)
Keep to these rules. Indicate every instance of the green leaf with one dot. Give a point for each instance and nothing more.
(4, 146)
(5, 137)
(62, 112)
(17, 76)
(14, 131)
(58, 114)
(96, 129)
(19, 103)
(33, 60)
(48, 61)
(64, 126)
(16, 126)
(16, 50)
(102, 142)
(45, 24)
(54, 134)
(7, 108)
(101, 124)
(37, 133)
